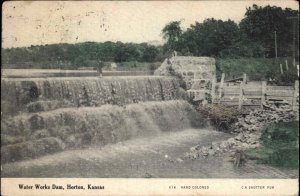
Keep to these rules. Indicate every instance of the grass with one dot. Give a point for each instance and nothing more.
(257, 69)
(280, 145)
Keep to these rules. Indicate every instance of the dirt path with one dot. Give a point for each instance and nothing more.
(144, 157)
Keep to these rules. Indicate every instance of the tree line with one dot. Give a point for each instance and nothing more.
(252, 37)
(80, 53)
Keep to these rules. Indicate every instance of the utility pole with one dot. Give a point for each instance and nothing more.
(275, 45)
(294, 38)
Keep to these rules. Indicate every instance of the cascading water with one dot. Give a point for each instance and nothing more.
(28, 136)
(43, 94)
(46, 115)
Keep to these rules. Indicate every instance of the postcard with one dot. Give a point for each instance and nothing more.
(150, 98)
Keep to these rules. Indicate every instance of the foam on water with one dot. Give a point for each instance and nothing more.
(27, 136)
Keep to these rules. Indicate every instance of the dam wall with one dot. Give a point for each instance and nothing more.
(43, 94)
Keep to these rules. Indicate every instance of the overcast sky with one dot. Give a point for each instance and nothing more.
(36, 23)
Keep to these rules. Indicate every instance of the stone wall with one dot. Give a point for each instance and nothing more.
(188, 67)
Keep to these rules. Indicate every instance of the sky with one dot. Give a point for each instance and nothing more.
(28, 23)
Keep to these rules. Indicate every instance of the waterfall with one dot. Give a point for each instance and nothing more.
(47, 115)
(32, 135)
(43, 94)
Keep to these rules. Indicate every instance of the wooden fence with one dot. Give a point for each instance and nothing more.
(254, 93)
(250, 94)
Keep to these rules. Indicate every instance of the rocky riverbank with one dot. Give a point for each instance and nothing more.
(247, 130)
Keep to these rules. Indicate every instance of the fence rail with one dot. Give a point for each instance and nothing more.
(255, 93)
(242, 93)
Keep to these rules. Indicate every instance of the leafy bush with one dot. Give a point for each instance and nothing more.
(153, 66)
(279, 133)
(280, 145)
(221, 116)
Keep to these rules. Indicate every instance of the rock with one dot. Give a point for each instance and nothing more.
(40, 134)
(148, 175)
(231, 140)
(249, 130)
(211, 152)
(252, 121)
(245, 145)
(215, 145)
(223, 145)
(71, 141)
(224, 150)
(240, 137)
(8, 139)
(218, 149)
(194, 148)
(256, 145)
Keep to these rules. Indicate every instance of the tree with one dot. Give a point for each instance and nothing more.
(172, 32)
(210, 37)
(260, 23)
(79, 54)
(150, 53)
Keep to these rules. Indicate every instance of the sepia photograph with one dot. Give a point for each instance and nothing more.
(98, 92)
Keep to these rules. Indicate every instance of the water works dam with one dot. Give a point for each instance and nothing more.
(122, 126)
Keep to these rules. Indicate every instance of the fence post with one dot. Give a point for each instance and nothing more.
(281, 70)
(263, 93)
(213, 89)
(221, 86)
(241, 95)
(296, 93)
